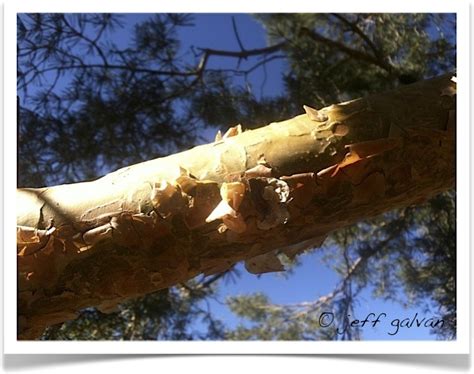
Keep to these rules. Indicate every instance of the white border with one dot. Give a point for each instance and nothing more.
(242, 6)
(461, 345)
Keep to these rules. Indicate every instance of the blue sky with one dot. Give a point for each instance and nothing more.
(214, 30)
(312, 278)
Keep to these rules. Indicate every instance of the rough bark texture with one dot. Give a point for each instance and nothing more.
(248, 196)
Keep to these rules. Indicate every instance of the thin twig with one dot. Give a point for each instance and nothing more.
(347, 50)
(359, 32)
(236, 33)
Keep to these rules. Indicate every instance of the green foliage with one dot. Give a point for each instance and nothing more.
(266, 321)
(237, 105)
(368, 52)
(102, 106)
(89, 105)
(164, 315)
(406, 256)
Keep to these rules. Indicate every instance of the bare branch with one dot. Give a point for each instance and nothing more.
(245, 53)
(252, 68)
(349, 51)
(363, 36)
(236, 33)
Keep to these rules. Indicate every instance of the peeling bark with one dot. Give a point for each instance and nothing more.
(248, 196)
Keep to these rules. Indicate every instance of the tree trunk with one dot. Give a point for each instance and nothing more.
(248, 196)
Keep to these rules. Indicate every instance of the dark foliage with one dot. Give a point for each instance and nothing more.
(101, 91)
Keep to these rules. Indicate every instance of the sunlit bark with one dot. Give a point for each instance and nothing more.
(249, 196)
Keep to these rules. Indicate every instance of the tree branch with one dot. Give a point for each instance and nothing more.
(162, 212)
(236, 33)
(198, 71)
(244, 53)
(359, 32)
(345, 49)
